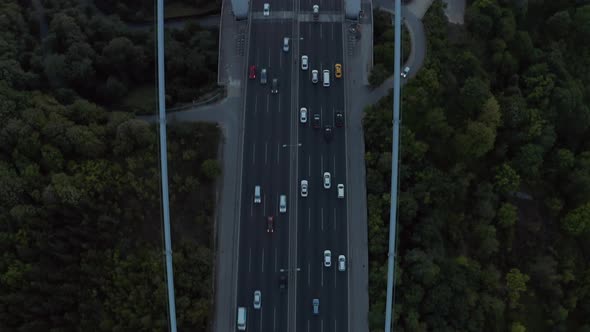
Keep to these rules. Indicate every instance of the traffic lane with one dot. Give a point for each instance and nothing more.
(309, 251)
(329, 100)
(248, 245)
(262, 118)
(338, 293)
(310, 95)
(281, 70)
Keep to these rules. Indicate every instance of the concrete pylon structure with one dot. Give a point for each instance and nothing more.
(240, 9)
(352, 9)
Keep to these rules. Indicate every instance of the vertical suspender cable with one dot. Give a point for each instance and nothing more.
(164, 168)
(394, 167)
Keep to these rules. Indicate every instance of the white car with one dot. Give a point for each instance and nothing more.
(257, 299)
(314, 76)
(340, 187)
(304, 62)
(341, 263)
(405, 72)
(304, 188)
(266, 9)
(327, 258)
(316, 11)
(327, 181)
(283, 203)
(303, 115)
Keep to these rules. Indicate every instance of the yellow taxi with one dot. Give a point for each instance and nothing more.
(338, 71)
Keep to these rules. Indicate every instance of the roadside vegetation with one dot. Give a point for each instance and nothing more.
(80, 206)
(494, 197)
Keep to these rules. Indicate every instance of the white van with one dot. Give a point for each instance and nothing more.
(242, 319)
(340, 190)
(326, 78)
(283, 204)
(286, 44)
(257, 194)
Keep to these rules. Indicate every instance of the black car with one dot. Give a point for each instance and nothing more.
(283, 282)
(316, 121)
(328, 133)
(339, 119)
(275, 86)
(270, 224)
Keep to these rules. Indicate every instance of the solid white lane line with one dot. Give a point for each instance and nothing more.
(274, 319)
(308, 326)
(322, 327)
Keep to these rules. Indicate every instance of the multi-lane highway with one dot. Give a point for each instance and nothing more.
(278, 152)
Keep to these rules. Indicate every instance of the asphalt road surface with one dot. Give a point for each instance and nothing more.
(322, 223)
(279, 152)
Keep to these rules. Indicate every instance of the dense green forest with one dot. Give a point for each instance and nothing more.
(80, 207)
(494, 197)
(102, 59)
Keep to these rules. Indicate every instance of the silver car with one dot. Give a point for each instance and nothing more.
(327, 180)
(327, 258)
(405, 72)
(341, 263)
(304, 62)
(266, 9)
(257, 299)
(303, 115)
(314, 76)
(304, 185)
(263, 76)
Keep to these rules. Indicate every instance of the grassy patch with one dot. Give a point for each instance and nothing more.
(141, 100)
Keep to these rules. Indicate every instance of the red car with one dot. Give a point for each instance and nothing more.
(252, 74)
(270, 224)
